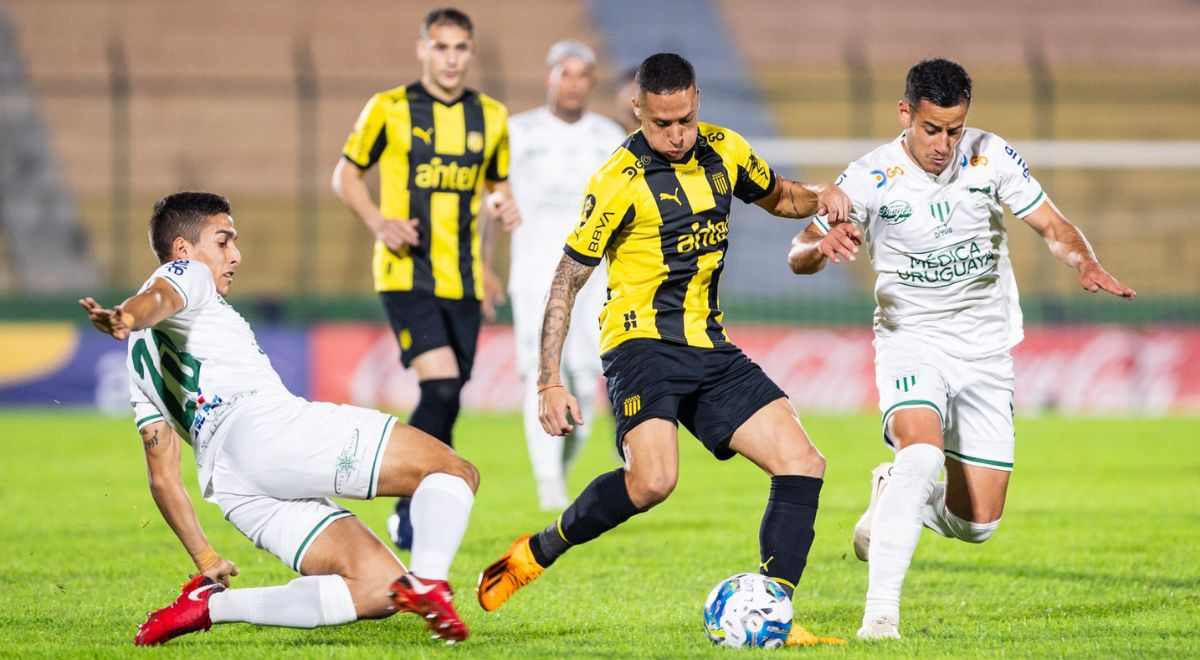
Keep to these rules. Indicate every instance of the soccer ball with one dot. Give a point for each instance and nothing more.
(748, 609)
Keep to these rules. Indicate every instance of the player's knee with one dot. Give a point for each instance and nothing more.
(470, 474)
(804, 459)
(649, 489)
(457, 466)
(971, 532)
(980, 532)
(443, 392)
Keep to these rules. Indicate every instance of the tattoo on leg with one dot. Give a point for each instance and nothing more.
(147, 443)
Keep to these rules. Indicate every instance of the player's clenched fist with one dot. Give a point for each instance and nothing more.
(554, 403)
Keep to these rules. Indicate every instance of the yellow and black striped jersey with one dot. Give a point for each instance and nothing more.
(664, 229)
(433, 160)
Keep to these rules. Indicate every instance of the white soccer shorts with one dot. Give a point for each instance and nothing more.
(973, 398)
(282, 459)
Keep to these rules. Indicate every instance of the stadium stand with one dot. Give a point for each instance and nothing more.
(44, 244)
(216, 99)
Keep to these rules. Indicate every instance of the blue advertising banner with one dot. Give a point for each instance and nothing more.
(48, 364)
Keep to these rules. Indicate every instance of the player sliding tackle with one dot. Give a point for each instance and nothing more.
(659, 212)
(271, 460)
(928, 206)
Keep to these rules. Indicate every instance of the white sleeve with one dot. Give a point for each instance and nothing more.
(144, 412)
(192, 279)
(1015, 187)
(859, 186)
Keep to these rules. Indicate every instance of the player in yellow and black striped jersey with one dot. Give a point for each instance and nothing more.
(438, 145)
(665, 228)
(659, 212)
(434, 159)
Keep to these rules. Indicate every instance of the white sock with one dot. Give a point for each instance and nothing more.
(896, 527)
(936, 516)
(441, 505)
(545, 450)
(306, 602)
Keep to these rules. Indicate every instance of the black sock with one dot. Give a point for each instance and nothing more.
(437, 409)
(786, 533)
(604, 504)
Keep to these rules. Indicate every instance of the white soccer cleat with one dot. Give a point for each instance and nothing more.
(862, 529)
(881, 627)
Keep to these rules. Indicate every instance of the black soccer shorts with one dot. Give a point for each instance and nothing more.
(422, 322)
(711, 391)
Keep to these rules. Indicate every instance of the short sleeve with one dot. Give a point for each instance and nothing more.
(1019, 191)
(607, 206)
(192, 279)
(755, 179)
(144, 412)
(857, 183)
(369, 138)
(498, 167)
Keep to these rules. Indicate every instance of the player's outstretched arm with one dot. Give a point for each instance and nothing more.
(162, 447)
(554, 401)
(1071, 247)
(793, 199)
(158, 302)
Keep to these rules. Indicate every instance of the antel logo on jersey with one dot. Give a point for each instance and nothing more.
(446, 176)
(893, 213)
(710, 235)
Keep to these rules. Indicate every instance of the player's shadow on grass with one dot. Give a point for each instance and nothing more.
(1062, 575)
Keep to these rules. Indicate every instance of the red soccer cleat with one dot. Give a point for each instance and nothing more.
(188, 613)
(433, 600)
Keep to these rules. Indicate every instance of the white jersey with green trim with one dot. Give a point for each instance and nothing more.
(189, 368)
(551, 162)
(938, 243)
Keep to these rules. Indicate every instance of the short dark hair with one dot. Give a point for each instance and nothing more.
(446, 16)
(183, 214)
(939, 81)
(663, 73)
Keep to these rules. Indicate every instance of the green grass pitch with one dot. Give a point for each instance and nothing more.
(1096, 555)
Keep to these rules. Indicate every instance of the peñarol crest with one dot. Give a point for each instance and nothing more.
(475, 142)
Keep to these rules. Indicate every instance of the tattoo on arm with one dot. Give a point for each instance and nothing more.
(149, 442)
(569, 278)
(794, 208)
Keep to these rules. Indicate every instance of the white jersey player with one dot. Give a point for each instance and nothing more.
(930, 208)
(555, 149)
(271, 460)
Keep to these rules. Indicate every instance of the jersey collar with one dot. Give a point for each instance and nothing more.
(420, 89)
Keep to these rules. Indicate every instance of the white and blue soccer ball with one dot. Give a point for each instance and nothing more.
(750, 610)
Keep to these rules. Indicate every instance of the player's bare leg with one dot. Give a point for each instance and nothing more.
(436, 411)
(968, 506)
(650, 473)
(774, 440)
